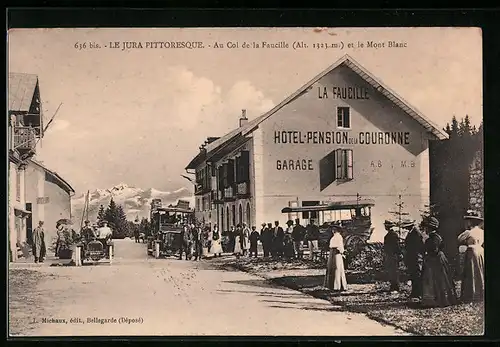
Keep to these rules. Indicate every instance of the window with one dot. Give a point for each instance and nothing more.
(227, 219)
(18, 185)
(240, 212)
(234, 214)
(343, 162)
(293, 215)
(312, 214)
(343, 117)
(249, 220)
(242, 167)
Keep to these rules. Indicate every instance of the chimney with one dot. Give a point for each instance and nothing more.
(243, 118)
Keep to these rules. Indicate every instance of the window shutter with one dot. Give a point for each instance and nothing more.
(245, 166)
(327, 170)
(347, 117)
(224, 175)
(238, 169)
(230, 172)
(339, 164)
(350, 162)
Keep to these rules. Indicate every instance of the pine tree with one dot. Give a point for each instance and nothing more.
(121, 222)
(111, 214)
(101, 215)
(461, 128)
(447, 129)
(454, 127)
(467, 128)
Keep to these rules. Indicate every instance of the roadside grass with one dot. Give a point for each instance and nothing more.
(369, 294)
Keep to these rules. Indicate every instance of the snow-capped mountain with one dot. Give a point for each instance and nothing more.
(135, 201)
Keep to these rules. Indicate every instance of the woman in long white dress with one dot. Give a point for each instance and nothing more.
(216, 242)
(335, 278)
(472, 287)
(245, 239)
(237, 241)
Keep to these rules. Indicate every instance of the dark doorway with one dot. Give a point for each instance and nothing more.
(29, 224)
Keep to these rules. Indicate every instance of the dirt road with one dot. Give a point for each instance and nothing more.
(137, 295)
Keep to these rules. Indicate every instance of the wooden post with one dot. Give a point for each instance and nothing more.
(157, 249)
(110, 251)
(78, 255)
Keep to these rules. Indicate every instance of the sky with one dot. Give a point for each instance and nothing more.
(138, 116)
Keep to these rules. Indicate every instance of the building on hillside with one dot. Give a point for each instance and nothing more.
(48, 198)
(25, 128)
(342, 136)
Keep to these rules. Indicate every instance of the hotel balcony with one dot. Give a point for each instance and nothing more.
(24, 140)
(217, 196)
(202, 190)
(229, 193)
(243, 190)
(198, 190)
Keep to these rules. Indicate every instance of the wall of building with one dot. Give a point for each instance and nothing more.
(56, 206)
(476, 182)
(380, 171)
(16, 200)
(220, 212)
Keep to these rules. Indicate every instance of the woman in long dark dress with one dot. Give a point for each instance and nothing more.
(438, 289)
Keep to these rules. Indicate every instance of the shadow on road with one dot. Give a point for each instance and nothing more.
(259, 293)
(256, 283)
(308, 308)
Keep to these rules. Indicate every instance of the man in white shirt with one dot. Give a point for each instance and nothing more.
(104, 232)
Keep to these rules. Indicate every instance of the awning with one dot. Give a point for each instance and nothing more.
(333, 206)
(21, 213)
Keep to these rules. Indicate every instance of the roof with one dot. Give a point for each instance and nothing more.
(349, 62)
(332, 206)
(172, 209)
(61, 180)
(22, 87)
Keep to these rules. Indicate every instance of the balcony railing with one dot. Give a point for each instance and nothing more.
(198, 190)
(243, 189)
(24, 139)
(218, 196)
(229, 193)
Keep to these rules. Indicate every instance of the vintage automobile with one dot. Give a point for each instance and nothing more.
(356, 223)
(167, 224)
(94, 250)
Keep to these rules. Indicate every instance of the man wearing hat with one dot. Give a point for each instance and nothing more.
(266, 237)
(254, 239)
(312, 237)
(104, 232)
(39, 243)
(87, 232)
(414, 258)
(278, 240)
(392, 253)
(472, 287)
(298, 234)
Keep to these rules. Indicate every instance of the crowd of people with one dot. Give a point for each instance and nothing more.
(66, 236)
(430, 273)
(242, 241)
